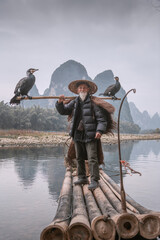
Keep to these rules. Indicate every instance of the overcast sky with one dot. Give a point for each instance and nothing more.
(121, 35)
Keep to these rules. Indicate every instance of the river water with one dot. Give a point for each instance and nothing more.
(31, 180)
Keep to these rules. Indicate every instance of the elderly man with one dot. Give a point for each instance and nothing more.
(87, 126)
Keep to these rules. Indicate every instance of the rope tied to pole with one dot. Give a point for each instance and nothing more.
(126, 165)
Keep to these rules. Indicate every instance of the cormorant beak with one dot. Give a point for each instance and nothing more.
(35, 70)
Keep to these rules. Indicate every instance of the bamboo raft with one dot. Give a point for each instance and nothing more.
(87, 215)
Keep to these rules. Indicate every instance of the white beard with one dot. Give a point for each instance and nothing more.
(83, 95)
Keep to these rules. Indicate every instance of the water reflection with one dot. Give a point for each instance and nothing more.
(111, 158)
(28, 161)
(31, 180)
(130, 150)
(145, 148)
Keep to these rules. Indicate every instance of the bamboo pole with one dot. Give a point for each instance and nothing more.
(122, 192)
(57, 97)
(149, 223)
(128, 205)
(58, 227)
(126, 223)
(79, 227)
(111, 197)
(104, 204)
(102, 227)
(140, 208)
(93, 210)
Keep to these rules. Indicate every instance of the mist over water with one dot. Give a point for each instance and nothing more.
(31, 180)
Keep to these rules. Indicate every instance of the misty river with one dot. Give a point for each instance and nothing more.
(31, 180)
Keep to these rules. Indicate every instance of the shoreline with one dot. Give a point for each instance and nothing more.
(44, 139)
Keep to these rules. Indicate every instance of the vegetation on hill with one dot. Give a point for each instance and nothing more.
(128, 127)
(35, 118)
(151, 131)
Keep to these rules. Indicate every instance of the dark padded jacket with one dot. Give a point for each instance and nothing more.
(92, 117)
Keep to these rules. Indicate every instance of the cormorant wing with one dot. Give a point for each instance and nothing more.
(109, 89)
(21, 83)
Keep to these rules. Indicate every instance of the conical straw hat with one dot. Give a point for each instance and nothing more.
(75, 84)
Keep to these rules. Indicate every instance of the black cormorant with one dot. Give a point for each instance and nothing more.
(112, 89)
(24, 86)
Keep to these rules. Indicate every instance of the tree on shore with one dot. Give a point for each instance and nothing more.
(42, 119)
(35, 118)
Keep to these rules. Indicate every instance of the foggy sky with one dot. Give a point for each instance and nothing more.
(121, 35)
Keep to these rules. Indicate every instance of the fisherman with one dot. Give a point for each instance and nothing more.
(89, 122)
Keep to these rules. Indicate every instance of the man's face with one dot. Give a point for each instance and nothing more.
(82, 88)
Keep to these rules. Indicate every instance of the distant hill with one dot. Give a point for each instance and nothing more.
(143, 119)
(63, 75)
(72, 70)
(105, 79)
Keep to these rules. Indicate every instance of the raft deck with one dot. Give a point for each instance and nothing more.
(87, 215)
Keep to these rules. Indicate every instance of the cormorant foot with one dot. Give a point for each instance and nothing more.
(29, 97)
(114, 97)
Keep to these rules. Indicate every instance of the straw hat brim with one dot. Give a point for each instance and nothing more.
(74, 85)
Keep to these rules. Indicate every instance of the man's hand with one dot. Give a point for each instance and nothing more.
(61, 98)
(98, 135)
